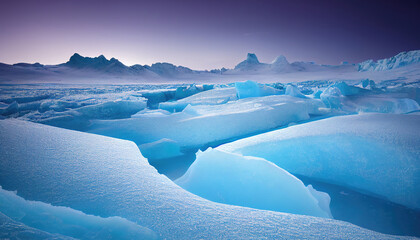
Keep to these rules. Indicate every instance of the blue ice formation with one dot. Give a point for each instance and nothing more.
(211, 97)
(251, 182)
(69, 222)
(164, 148)
(252, 89)
(208, 124)
(374, 153)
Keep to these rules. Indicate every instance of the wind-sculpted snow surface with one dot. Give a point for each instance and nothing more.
(108, 177)
(199, 125)
(251, 182)
(374, 153)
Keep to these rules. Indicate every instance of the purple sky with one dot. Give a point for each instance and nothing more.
(207, 34)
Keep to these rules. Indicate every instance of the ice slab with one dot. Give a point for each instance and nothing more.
(69, 222)
(253, 89)
(374, 153)
(200, 125)
(10, 229)
(215, 96)
(157, 96)
(250, 182)
(164, 148)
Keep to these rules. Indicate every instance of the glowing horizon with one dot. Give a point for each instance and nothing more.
(206, 35)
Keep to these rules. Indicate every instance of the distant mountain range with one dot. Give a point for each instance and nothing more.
(400, 60)
(97, 67)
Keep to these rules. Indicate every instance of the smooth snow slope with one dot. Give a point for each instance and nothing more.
(375, 153)
(109, 177)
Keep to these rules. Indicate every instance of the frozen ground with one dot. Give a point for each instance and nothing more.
(246, 156)
(108, 177)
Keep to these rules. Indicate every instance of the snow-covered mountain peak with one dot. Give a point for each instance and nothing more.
(252, 58)
(400, 60)
(98, 63)
(280, 60)
(251, 63)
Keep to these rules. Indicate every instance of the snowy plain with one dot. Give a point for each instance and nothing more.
(264, 150)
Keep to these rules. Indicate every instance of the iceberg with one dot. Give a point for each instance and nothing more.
(376, 154)
(250, 182)
(108, 177)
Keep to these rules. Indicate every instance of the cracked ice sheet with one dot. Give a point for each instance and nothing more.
(109, 177)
